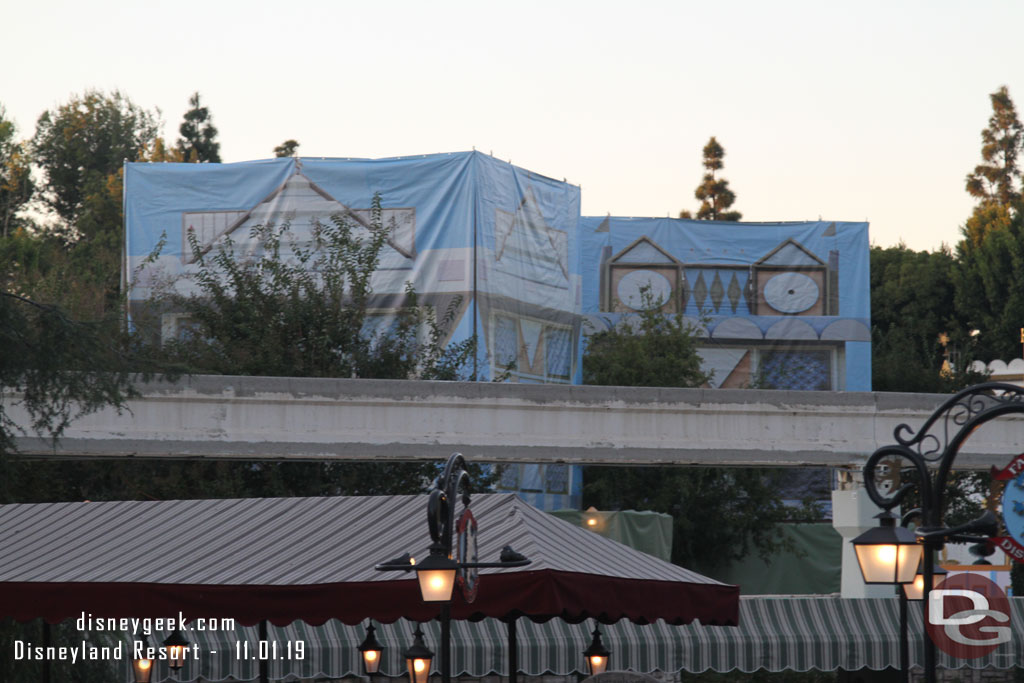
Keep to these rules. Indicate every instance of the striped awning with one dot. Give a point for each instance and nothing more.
(312, 559)
(775, 634)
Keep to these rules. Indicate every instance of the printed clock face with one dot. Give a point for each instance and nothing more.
(791, 292)
(633, 282)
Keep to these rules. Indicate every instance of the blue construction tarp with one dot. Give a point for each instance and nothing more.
(779, 305)
(499, 240)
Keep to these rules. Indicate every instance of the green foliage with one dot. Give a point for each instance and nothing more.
(16, 184)
(298, 310)
(711, 507)
(288, 148)
(913, 323)
(997, 178)
(714, 193)
(989, 273)
(654, 349)
(198, 143)
(141, 479)
(57, 369)
(989, 279)
(80, 144)
(718, 514)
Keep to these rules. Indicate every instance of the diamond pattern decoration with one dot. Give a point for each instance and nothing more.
(717, 292)
(700, 291)
(509, 477)
(796, 370)
(556, 478)
(735, 292)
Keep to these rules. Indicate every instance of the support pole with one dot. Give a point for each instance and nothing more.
(904, 638)
(513, 652)
(446, 644)
(929, 583)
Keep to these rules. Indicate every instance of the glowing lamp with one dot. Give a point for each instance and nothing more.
(371, 650)
(888, 553)
(417, 658)
(915, 589)
(142, 669)
(176, 647)
(437, 578)
(597, 655)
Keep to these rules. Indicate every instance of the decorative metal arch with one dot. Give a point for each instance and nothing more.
(939, 441)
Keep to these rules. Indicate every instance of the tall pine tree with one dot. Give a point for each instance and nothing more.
(997, 178)
(714, 193)
(988, 278)
(198, 141)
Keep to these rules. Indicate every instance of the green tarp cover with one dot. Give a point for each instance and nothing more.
(646, 531)
(813, 566)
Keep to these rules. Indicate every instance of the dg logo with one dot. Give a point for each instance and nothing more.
(968, 616)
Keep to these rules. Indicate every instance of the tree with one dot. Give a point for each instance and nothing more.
(15, 176)
(714, 193)
(58, 367)
(311, 319)
(718, 514)
(198, 143)
(288, 148)
(653, 350)
(989, 279)
(997, 178)
(989, 273)
(79, 145)
(918, 342)
(301, 310)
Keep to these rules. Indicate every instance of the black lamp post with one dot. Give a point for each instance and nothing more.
(437, 572)
(371, 650)
(939, 441)
(597, 654)
(913, 592)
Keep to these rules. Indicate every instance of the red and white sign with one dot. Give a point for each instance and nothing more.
(968, 616)
(466, 551)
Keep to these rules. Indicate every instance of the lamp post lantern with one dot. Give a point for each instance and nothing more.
(417, 658)
(914, 591)
(938, 441)
(142, 668)
(436, 576)
(597, 654)
(888, 553)
(176, 646)
(371, 650)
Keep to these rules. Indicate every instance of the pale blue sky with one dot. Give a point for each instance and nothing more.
(847, 111)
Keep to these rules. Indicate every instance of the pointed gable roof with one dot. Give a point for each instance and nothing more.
(644, 251)
(298, 196)
(790, 253)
